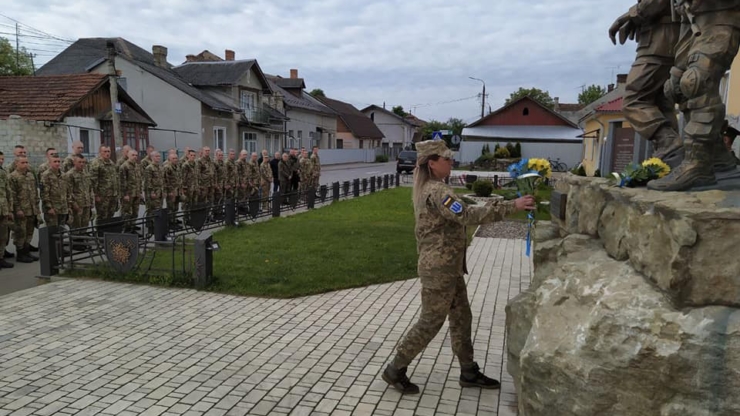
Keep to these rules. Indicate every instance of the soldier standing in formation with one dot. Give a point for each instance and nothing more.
(219, 168)
(18, 151)
(6, 212)
(232, 180)
(50, 153)
(285, 172)
(130, 175)
(79, 193)
(243, 182)
(253, 176)
(294, 167)
(305, 173)
(265, 180)
(316, 168)
(25, 203)
(153, 186)
(105, 183)
(172, 186)
(69, 161)
(206, 177)
(124, 156)
(190, 185)
(54, 197)
(441, 218)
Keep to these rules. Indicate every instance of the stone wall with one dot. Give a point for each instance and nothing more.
(35, 135)
(633, 306)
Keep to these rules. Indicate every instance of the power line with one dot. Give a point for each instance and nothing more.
(37, 31)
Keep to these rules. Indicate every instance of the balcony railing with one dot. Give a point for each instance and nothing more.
(258, 115)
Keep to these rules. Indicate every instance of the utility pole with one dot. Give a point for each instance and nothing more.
(483, 97)
(17, 49)
(113, 80)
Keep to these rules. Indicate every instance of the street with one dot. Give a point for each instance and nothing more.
(339, 173)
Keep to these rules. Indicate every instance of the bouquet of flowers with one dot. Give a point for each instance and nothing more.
(527, 174)
(639, 175)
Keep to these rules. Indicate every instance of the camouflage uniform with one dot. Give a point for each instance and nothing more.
(306, 175)
(68, 163)
(153, 188)
(219, 176)
(242, 181)
(104, 180)
(79, 197)
(54, 196)
(206, 180)
(265, 182)
(42, 168)
(253, 178)
(284, 171)
(24, 198)
(316, 171)
(6, 208)
(294, 177)
(231, 183)
(130, 180)
(171, 187)
(190, 187)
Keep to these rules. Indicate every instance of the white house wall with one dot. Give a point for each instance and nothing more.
(169, 107)
(568, 153)
(73, 133)
(305, 122)
(394, 130)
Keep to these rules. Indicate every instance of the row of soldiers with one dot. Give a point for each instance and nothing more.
(67, 192)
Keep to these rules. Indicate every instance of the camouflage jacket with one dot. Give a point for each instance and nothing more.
(42, 168)
(265, 173)
(253, 174)
(6, 207)
(68, 164)
(171, 178)
(23, 193)
(153, 181)
(54, 192)
(316, 161)
(79, 189)
(219, 168)
(232, 178)
(305, 168)
(189, 178)
(130, 179)
(206, 173)
(241, 172)
(104, 178)
(441, 239)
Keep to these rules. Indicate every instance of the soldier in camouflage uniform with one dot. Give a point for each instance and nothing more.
(441, 218)
(69, 161)
(79, 194)
(305, 173)
(25, 203)
(130, 186)
(172, 186)
(184, 157)
(219, 169)
(105, 183)
(265, 181)
(242, 182)
(190, 185)
(124, 156)
(51, 153)
(153, 186)
(316, 168)
(54, 199)
(206, 177)
(253, 177)
(6, 212)
(18, 151)
(285, 172)
(232, 180)
(147, 159)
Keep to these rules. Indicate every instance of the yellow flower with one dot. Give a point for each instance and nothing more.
(662, 169)
(540, 165)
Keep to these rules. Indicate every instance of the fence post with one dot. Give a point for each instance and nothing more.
(161, 224)
(372, 184)
(398, 179)
(48, 251)
(364, 185)
(230, 213)
(203, 261)
(356, 188)
(335, 191)
(495, 182)
(345, 188)
(323, 190)
(277, 200)
(385, 181)
(310, 198)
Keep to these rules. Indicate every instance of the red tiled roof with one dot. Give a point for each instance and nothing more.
(45, 97)
(614, 106)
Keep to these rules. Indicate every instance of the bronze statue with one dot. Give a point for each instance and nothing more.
(708, 42)
(645, 106)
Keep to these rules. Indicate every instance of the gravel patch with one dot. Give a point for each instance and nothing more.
(513, 230)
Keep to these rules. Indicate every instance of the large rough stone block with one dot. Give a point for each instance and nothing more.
(597, 338)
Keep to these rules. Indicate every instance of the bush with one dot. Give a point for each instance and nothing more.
(486, 150)
(483, 188)
(502, 153)
(485, 158)
(469, 186)
(512, 150)
(495, 149)
(381, 158)
(597, 174)
(517, 150)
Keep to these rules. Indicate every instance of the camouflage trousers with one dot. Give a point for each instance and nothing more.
(152, 205)
(130, 211)
(106, 208)
(173, 205)
(80, 219)
(205, 196)
(23, 230)
(437, 304)
(4, 233)
(265, 195)
(218, 201)
(55, 220)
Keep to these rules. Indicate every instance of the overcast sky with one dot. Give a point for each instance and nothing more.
(409, 53)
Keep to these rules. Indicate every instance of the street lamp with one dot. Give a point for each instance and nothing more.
(483, 97)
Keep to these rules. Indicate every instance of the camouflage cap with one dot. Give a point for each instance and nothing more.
(432, 147)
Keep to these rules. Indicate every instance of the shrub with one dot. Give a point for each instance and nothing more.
(512, 150)
(469, 186)
(486, 150)
(502, 153)
(517, 150)
(495, 149)
(485, 158)
(381, 158)
(483, 188)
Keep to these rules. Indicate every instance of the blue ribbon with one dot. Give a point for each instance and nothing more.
(530, 223)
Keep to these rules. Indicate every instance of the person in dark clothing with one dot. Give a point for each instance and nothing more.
(294, 167)
(275, 174)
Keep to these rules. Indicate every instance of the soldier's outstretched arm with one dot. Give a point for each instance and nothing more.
(452, 208)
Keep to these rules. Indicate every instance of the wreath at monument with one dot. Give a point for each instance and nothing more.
(635, 175)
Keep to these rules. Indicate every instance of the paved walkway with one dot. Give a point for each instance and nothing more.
(90, 347)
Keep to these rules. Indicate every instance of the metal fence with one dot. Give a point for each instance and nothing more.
(175, 246)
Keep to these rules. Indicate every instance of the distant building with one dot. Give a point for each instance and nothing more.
(354, 129)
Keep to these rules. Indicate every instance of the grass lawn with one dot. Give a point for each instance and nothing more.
(543, 194)
(352, 243)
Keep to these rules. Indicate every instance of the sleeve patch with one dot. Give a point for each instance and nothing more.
(452, 205)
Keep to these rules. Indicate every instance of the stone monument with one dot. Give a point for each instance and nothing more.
(634, 306)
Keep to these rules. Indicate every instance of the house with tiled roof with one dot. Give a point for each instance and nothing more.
(242, 83)
(399, 132)
(355, 130)
(309, 122)
(541, 132)
(178, 107)
(56, 110)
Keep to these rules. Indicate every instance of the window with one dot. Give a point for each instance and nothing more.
(340, 144)
(247, 102)
(526, 111)
(249, 142)
(300, 138)
(276, 143)
(85, 139)
(290, 133)
(372, 116)
(219, 138)
(362, 145)
(130, 135)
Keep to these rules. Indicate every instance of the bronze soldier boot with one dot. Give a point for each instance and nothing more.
(668, 146)
(398, 379)
(470, 376)
(695, 170)
(723, 160)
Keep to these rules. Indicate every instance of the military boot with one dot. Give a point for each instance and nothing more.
(470, 376)
(398, 379)
(668, 147)
(8, 255)
(696, 170)
(22, 255)
(29, 254)
(5, 264)
(724, 160)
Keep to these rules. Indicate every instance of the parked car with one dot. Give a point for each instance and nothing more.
(406, 161)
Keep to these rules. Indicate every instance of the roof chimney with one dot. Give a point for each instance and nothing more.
(229, 55)
(621, 79)
(190, 58)
(293, 73)
(556, 100)
(160, 56)
(610, 88)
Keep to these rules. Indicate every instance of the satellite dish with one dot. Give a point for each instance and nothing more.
(455, 139)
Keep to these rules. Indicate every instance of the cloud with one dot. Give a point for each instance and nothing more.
(400, 52)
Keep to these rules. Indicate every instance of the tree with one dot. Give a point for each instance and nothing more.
(543, 97)
(456, 125)
(14, 62)
(317, 92)
(591, 94)
(398, 110)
